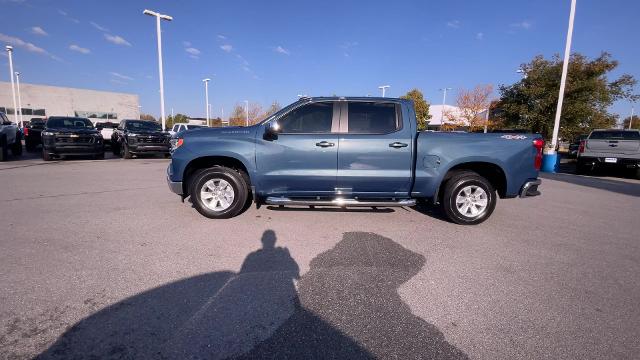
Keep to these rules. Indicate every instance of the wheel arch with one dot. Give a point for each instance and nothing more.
(493, 172)
(205, 162)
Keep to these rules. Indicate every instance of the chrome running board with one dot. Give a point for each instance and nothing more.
(340, 202)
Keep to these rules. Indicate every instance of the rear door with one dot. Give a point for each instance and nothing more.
(375, 150)
(301, 161)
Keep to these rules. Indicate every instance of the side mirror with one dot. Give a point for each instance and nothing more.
(271, 130)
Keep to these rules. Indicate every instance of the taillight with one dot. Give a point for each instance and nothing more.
(539, 145)
(25, 131)
(581, 147)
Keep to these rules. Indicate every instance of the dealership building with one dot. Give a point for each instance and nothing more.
(44, 101)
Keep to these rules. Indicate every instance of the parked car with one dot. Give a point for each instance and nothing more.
(64, 136)
(610, 148)
(575, 146)
(106, 129)
(10, 138)
(33, 133)
(335, 151)
(176, 128)
(135, 137)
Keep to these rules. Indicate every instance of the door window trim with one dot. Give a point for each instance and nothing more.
(344, 118)
(335, 118)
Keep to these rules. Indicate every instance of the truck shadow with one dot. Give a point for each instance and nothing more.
(611, 184)
(346, 306)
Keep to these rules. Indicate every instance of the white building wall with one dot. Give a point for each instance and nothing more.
(62, 101)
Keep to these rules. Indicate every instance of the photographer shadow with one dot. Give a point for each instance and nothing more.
(346, 306)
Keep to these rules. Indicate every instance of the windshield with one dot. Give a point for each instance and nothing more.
(72, 123)
(615, 135)
(142, 125)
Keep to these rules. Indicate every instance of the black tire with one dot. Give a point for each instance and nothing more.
(455, 185)
(29, 146)
(581, 168)
(16, 147)
(125, 151)
(234, 178)
(45, 155)
(638, 172)
(4, 153)
(115, 148)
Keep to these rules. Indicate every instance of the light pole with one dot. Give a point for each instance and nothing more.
(159, 16)
(631, 118)
(551, 155)
(206, 97)
(19, 98)
(9, 49)
(444, 102)
(246, 102)
(384, 88)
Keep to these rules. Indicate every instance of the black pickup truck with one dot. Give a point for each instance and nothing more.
(33, 133)
(135, 137)
(71, 136)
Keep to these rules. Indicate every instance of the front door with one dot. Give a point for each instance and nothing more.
(301, 160)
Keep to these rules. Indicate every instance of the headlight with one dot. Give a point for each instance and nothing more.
(47, 133)
(176, 143)
(132, 135)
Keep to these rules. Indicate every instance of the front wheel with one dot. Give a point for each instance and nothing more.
(218, 192)
(468, 198)
(125, 151)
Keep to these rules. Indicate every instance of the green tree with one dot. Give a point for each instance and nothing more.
(531, 103)
(178, 118)
(421, 106)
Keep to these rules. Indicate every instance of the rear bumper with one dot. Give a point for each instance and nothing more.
(599, 161)
(530, 188)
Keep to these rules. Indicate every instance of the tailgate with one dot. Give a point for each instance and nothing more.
(627, 147)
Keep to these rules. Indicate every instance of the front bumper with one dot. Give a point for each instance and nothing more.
(530, 188)
(74, 149)
(150, 149)
(175, 186)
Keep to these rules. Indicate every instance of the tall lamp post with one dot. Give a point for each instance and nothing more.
(246, 102)
(631, 118)
(9, 49)
(384, 89)
(19, 98)
(444, 102)
(550, 157)
(206, 97)
(158, 17)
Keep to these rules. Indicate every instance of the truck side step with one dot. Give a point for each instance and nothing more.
(340, 202)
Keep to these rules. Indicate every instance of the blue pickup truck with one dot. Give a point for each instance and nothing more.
(351, 151)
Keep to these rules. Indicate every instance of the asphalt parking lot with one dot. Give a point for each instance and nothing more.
(99, 259)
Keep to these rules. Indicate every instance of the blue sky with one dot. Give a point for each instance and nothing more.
(273, 50)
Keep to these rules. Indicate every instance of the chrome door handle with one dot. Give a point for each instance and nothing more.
(398, 145)
(324, 144)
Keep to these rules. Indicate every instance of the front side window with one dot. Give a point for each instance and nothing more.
(308, 119)
(372, 118)
(175, 128)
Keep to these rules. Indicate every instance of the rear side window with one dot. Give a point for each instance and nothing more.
(615, 135)
(308, 119)
(372, 118)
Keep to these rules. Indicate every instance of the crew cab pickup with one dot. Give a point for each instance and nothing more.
(135, 137)
(337, 151)
(10, 138)
(64, 136)
(612, 148)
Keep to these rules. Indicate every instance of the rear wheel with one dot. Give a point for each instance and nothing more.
(3, 147)
(582, 168)
(468, 198)
(219, 192)
(29, 145)
(115, 148)
(16, 147)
